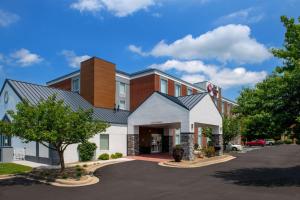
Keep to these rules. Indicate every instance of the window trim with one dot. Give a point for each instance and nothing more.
(162, 79)
(73, 88)
(191, 91)
(100, 146)
(175, 87)
(124, 104)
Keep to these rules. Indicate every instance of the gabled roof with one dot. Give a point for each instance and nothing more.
(188, 102)
(34, 93)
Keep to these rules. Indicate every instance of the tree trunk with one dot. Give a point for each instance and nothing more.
(62, 160)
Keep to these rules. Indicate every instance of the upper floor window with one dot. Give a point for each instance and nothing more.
(163, 86)
(177, 90)
(189, 91)
(76, 84)
(122, 89)
(122, 105)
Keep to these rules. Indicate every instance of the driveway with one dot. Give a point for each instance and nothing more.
(266, 173)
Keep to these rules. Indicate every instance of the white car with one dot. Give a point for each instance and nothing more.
(234, 147)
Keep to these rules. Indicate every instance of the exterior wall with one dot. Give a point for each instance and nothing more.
(97, 82)
(194, 91)
(171, 87)
(165, 112)
(65, 84)
(141, 88)
(12, 102)
(117, 143)
(183, 90)
(209, 113)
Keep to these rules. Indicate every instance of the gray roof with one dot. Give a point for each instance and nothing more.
(188, 102)
(34, 93)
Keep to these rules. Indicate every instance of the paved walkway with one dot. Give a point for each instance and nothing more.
(161, 157)
(31, 164)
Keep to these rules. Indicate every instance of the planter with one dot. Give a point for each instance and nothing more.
(178, 153)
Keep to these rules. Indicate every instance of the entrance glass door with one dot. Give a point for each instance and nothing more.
(156, 143)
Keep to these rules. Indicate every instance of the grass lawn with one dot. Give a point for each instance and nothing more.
(12, 168)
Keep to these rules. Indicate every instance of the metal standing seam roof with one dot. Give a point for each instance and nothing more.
(188, 102)
(34, 93)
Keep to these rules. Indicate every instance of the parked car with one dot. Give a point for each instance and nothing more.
(270, 142)
(259, 142)
(234, 147)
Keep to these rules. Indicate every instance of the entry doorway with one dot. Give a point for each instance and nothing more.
(152, 140)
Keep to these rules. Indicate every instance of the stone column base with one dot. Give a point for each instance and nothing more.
(218, 140)
(132, 144)
(187, 143)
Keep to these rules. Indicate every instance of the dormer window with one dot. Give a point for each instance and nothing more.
(177, 90)
(76, 84)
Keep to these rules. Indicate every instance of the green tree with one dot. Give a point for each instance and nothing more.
(273, 106)
(52, 124)
(231, 129)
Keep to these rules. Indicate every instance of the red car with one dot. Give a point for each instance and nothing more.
(259, 142)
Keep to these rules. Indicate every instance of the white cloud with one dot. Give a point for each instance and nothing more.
(137, 50)
(25, 58)
(225, 43)
(7, 18)
(244, 16)
(72, 59)
(119, 8)
(196, 71)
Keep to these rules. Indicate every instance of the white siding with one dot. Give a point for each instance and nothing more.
(158, 110)
(117, 143)
(30, 149)
(13, 101)
(43, 151)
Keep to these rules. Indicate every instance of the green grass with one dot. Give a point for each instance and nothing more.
(12, 168)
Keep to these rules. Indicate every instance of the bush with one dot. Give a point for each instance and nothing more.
(116, 155)
(196, 146)
(103, 156)
(209, 151)
(288, 141)
(87, 151)
(178, 153)
(298, 141)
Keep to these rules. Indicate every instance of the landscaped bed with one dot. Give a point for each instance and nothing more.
(12, 168)
(198, 162)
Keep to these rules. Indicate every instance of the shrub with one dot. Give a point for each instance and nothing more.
(178, 153)
(288, 141)
(209, 151)
(298, 141)
(104, 156)
(87, 151)
(116, 155)
(196, 146)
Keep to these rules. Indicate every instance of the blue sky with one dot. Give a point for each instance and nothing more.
(224, 41)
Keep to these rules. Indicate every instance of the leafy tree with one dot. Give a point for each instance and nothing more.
(52, 124)
(273, 106)
(231, 129)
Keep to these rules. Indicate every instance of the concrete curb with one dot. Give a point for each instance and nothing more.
(200, 164)
(90, 180)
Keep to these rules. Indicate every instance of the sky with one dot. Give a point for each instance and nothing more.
(227, 42)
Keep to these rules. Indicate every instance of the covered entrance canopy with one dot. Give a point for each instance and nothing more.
(176, 119)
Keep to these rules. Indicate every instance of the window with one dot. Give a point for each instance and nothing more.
(163, 86)
(189, 91)
(5, 141)
(177, 136)
(122, 89)
(199, 136)
(177, 90)
(122, 105)
(76, 85)
(104, 142)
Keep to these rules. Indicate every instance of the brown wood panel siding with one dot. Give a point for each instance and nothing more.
(183, 90)
(194, 91)
(141, 88)
(104, 84)
(64, 85)
(97, 82)
(220, 100)
(196, 134)
(87, 80)
(225, 108)
(171, 89)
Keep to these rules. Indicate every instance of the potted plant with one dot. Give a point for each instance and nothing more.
(178, 153)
